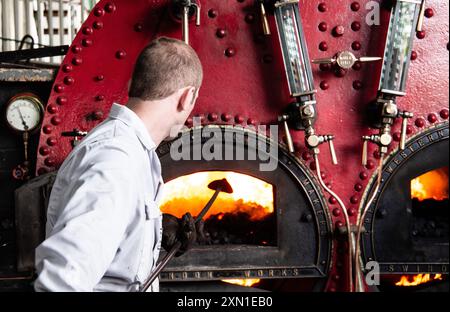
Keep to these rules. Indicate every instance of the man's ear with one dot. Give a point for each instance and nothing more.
(187, 99)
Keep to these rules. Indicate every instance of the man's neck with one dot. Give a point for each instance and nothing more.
(155, 120)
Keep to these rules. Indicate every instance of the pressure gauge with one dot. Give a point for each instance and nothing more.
(24, 112)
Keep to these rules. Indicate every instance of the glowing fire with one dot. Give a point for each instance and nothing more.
(242, 282)
(191, 193)
(419, 279)
(431, 185)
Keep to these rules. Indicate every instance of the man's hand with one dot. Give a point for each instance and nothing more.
(182, 230)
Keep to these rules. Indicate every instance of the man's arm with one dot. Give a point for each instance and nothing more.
(92, 225)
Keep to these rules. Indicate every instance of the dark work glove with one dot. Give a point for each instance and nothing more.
(182, 230)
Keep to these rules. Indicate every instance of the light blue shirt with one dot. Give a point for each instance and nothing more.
(104, 225)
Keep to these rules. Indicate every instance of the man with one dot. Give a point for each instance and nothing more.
(103, 221)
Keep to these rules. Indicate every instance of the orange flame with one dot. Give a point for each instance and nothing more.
(242, 282)
(191, 193)
(419, 279)
(431, 185)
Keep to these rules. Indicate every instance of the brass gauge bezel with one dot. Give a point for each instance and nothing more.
(32, 98)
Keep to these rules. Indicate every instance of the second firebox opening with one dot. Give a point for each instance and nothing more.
(245, 217)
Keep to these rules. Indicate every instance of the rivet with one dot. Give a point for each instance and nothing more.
(355, 6)
(352, 212)
(340, 72)
(306, 156)
(323, 175)
(213, 117)
(52, 109)
(323, 26)
(297, 146)
(429, 13)
(42, 171)
(189, 122)
(100, 98)
(99, 12)
(267, 58)
(354, 199)
(44, 151)
(98, 115)
(76, 49)
(357, 66)
(67, 68)
(221, 33)
(47, 129)
(250, 18)
(336, 277)
(338, 31)
(356, 45)
(87, 31)
(69, 80)
(52, 141)
(251, 121)
(86, 42)
(226, 117)
(332, 289)
(370, 164)
(409, 129)
(121, 54)
(444, 113)
(397, 136)
(59, 88)
(138, 27)
(420, 34)
(56, 120)
(322, 7)
(357, 85)
(239, 119)
(329, 185)
(99, 78)
(313, 166)
(358, 187)
(50, 162)
(230, 52)
(323, 46)
(363, 175)
(212, 13)
(110, 7)
(61, 100)
(413, 55)
(339, 224)
(376, 154)
(356, 26)
(97, 25)
(336, 212)
(432, 118)
(77, 61)
(325, 67)
(324, 85)
(420, 123)
(332, 200)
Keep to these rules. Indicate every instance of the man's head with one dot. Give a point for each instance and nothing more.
(168, 72)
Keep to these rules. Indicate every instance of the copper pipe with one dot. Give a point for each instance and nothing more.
(347, 221)
(361, 223)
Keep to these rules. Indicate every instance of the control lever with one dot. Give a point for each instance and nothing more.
(421, 16)
(265, 22)
(405, 116)
(187, 5)
(76, 135)
(313, 141)
(284, 119)
(346, 59)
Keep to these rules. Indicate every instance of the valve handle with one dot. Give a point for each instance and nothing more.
(366, 140)
(333, 152)
(265, 22)
(289, 142)
(421, 16)
(405, 116)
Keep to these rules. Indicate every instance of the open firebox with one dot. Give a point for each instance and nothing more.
(408, 226)
(274, 226)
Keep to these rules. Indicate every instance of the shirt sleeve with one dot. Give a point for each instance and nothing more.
(93, 223)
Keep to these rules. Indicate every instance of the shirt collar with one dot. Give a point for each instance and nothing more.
(127, 116)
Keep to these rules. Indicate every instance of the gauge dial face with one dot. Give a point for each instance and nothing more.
(24, 113)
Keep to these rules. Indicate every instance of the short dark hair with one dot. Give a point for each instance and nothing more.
(165, 66)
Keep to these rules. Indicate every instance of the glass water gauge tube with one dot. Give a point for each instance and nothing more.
(294, 49)
(404, 20)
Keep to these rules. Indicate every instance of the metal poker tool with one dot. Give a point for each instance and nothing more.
(218, 186)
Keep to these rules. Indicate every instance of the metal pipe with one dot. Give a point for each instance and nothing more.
(50, 25)
(358, 283)
(16, 20)
(82, 11)
(26, 3)
(39, 22)
(347, 221)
